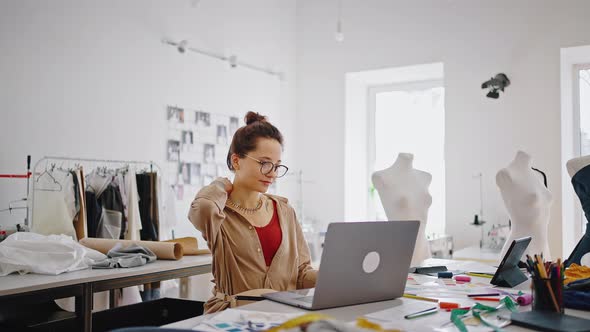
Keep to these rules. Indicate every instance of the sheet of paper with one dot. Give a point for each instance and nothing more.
(236, 320)
(393, 318)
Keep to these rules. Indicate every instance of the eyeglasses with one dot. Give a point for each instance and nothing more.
(266, 167)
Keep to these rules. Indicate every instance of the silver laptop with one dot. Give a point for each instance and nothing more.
(361, 262)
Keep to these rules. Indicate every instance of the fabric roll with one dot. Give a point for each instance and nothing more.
(190, 246)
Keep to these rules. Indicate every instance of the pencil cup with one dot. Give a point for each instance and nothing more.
(543, 298)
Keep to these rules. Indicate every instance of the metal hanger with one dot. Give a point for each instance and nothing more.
(48, 172)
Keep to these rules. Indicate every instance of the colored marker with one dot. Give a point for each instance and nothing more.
(493, 299)
(462, 308)
(422, 298)
(448, 305)
(481, 275)
(487, 294)
(422, 313)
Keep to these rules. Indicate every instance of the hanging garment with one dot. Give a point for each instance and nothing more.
(119, 180)
(93, 213)
(148, 230)
(80, 218)
(112, 223)
(128, 186)
(97, 182)
(154, 206)
(167, 210)
(54, 209)
(26, 252)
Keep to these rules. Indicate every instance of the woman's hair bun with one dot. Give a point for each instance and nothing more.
(252, 117)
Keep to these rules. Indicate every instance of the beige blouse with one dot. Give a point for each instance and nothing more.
(238, 261)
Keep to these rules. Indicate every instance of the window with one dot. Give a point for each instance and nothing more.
(409, 117)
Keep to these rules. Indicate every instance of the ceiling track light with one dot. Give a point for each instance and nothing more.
(339, 35)
(183, 46)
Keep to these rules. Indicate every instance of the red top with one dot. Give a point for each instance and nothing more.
(270, 236)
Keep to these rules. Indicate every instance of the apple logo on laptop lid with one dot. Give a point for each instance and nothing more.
(371, 262)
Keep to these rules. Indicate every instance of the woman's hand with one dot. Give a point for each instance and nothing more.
(225, 183)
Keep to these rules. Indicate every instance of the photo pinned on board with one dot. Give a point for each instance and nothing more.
(195, 171)
(202, 119)
(179, 192)
(221, 134)
(173, 150)
(185, 174)
(234, 124)
(187, 137)
(209, 153)
(175, 114)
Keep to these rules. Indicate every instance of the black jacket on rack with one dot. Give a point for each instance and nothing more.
(146, 188)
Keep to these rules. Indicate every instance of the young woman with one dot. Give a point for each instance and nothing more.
(254, 237)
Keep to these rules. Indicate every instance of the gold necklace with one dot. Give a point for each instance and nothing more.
(243, 209)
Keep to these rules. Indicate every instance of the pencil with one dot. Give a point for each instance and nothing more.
(547, 283)
(422, 298)
(422, 313)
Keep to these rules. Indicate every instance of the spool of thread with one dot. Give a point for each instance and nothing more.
(445, 274)
(525, 299)
(463, 278)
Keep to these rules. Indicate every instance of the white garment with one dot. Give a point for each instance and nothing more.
(54, 210)
(166, 209)
(97, 183)
(26, 252)
(119, 180)
(167, 222)
(109, 225)
(132, 204)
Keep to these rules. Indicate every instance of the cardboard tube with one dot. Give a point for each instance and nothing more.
(163, 250)
(190, 246)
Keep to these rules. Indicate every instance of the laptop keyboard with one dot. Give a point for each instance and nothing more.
(307, 299)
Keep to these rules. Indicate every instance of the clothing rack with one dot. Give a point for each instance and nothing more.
(54, 161)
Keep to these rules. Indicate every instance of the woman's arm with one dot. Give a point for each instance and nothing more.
(307, 275)
(206, 212)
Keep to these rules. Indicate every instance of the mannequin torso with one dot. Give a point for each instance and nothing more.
(579, 170)
(528, 203)
(403, 191)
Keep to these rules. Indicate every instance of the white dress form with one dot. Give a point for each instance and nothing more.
(528, 202)
(404, 194)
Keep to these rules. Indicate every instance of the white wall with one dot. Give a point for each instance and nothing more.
(92, 79)
(475, 40)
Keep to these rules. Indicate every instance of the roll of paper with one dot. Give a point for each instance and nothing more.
(163, 250)
(190, 246)
(525, 299)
